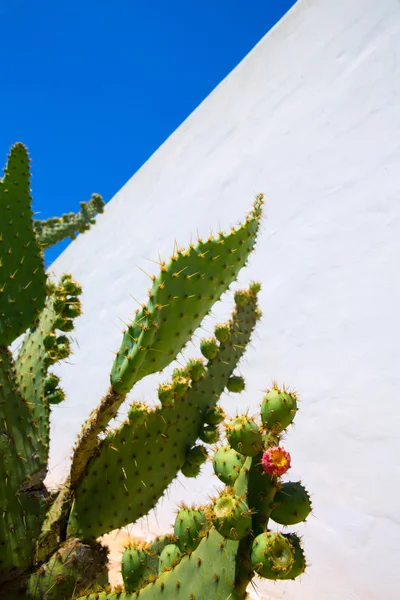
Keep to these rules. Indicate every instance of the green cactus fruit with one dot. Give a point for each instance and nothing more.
(255, 287)
(56, 397)
(278, 409)
(181, 296)
(169, 557)
(197, 455)
(231, 517)
(209, 348)
(214, 416)
(196, 369)
(221, 332)
(299, 565)
(189, 523)
(166, 394)
(138, 413)
(235, 384)
(209, 434)
(244, 435)
(22, 275)
(227, 464)
(293, 504)
(133, 566)
(190, 470)
(50, 383)
(53, 230)
(180, 387)
(272, 555)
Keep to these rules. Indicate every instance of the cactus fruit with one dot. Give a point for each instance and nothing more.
(231, 517)
(227, 464)
(272, 555)
(189, 523)
(169, 558)
(293, 504)
(133, 566)
(278, 409)
(235, 384)
(244, 435)
(275, 460)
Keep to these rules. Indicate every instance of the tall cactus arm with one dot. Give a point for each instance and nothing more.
(51, 231)
(182, 295)
(136, 463)
(22, 471)
(22, 276)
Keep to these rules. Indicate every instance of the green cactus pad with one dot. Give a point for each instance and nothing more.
(209, 434)
(22, 471)
(227, 464)
(272, 555)
(244, 435)
(197, 455)
(133, 566)
(206, 574)
(22, 276)
(293, 504)
(231, 517)
(169, 558)
(278, 409)
(189, 523)
(122, 472)
(181, 296)
(53, 230)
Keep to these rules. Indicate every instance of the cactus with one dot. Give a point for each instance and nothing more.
(47, 542)
(51, 231)
(217, 556)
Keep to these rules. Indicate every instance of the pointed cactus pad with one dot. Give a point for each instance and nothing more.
(181, 296)
(22, 275)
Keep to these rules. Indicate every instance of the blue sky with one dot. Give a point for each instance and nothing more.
(94, 87)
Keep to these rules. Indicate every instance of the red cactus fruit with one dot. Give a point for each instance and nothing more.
(276, 461)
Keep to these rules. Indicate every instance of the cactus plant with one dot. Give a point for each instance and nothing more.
(47, 541)
(230, 542)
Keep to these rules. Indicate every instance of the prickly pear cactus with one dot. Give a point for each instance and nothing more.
(218, 549)
(48, 546)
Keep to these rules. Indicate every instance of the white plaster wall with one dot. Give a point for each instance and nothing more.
(311, 118)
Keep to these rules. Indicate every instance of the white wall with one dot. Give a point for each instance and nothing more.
(311, 118)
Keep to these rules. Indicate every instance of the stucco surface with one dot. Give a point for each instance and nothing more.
(311, 117)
